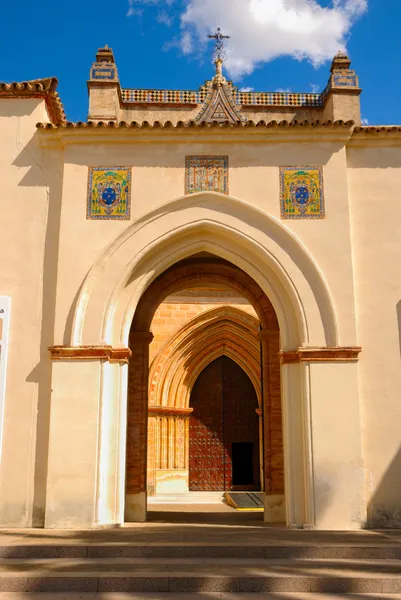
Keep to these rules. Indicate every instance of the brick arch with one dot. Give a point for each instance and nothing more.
(222, 331)
(193, 272)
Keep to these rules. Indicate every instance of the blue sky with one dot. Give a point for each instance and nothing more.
(275, 45)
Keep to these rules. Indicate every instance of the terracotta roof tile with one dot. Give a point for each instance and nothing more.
(193, 124)
(38, 88)
(377, 128)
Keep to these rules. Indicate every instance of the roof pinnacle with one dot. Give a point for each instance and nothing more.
(219, 56)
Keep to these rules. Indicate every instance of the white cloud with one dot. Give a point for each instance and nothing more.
(261, 30)
(246, 89)
(187, 45)
(136, 7)
(283, 90)
(315, 88)
(365, 122)
(164, 18)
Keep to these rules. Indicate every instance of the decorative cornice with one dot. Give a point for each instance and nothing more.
(336, 354)
(191, 124)
(39, 88)
(169, 411)
(112, 355)
(366, 129)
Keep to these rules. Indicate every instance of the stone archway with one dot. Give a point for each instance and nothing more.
(189, 273)
(324, 477)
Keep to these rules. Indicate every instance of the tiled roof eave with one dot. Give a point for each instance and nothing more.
(193, 125)
(38, 88)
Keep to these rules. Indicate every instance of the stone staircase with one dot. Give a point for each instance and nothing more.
(102, 567)
(188, 498)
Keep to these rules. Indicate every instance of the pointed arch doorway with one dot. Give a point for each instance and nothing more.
(224, 430)
(169, 414)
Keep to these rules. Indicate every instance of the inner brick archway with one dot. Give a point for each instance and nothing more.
(190, 273)
(225, 331)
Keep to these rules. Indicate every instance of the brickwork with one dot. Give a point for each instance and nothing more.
(188, 335)
(171, 316)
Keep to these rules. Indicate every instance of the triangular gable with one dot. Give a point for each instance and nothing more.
(219, 106)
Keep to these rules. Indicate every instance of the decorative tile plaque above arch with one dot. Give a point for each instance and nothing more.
(301, 192)
(109, 193)
(206, 174)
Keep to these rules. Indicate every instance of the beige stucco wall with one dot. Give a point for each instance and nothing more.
(158, 176)
(374, 177)
(30, 206)
(48, 247)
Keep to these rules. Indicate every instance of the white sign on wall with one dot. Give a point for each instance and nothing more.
(5, 304)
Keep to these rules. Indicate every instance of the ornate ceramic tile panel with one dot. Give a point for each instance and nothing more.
(345, 79)
(301, 192)
(109, 193)
(308, 100)
(206, 174)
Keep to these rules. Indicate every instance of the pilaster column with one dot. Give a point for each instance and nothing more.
(82, 488)
(273, 445)
(272, 427)
(329, 410)
(137, 426)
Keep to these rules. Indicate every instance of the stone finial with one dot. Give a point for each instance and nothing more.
(219, 78)
(341, 96)
(104, 68)
(105, 54)
(341, 62)
(104, 87)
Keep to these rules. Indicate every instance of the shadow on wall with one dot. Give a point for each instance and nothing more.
(48, 176)
(384, 509)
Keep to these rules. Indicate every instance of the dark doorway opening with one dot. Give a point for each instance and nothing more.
(242, 461)
(224, 430)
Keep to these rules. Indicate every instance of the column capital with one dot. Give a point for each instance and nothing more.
(321, 354)
(101, 352)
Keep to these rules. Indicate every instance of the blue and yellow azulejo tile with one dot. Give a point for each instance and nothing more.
(109, 193)
(301, 193)
(206, 174)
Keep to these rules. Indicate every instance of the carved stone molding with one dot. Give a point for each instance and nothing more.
(338, 354)
(108, 353)
(169, 411)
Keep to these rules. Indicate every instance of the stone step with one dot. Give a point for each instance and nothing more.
(190, 596)
(338, 576)
(216, 550)
(188, 498)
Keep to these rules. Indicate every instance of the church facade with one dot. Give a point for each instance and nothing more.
(201, 290)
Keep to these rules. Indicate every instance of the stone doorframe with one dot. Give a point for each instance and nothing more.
(324, 475)
(184, 275)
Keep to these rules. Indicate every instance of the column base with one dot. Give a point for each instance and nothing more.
(135, 508)
(274, 508)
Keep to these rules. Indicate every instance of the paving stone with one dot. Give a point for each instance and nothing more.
(59, 584)
(133, 584)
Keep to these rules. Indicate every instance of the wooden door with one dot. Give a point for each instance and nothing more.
(224, 430)
(241, 429)
(206, 443)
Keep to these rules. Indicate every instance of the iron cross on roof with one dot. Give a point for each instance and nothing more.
(219, 45)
